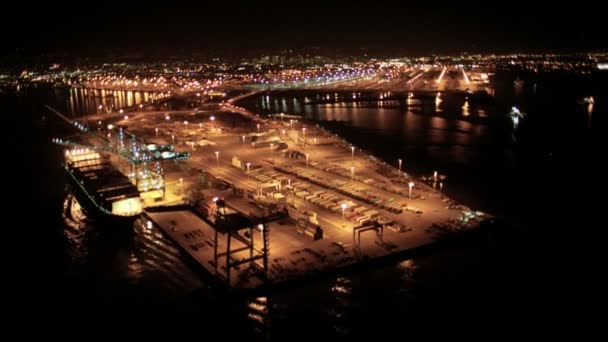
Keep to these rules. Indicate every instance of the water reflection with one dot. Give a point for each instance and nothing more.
(75, 227)
(518, 87)
(339, 312)
(438, 101)
(259, 315)
(88, 101)
(465, 108)
(446, 125)
(409, 268)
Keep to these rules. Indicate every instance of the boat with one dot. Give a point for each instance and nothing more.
(104, 192)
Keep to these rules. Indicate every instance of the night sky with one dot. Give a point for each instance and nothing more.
(241, 28)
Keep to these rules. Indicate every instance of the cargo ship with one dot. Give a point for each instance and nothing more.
(104, 192)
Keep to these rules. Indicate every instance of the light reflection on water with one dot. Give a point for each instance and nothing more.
(87, 101)
(340, 311)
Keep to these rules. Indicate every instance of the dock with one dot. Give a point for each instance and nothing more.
(297, 201)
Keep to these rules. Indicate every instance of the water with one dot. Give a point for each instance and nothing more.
(504, 279)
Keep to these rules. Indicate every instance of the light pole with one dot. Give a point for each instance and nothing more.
(217, 157)
(304, 135)
(156, 130)
(344, 206)
(258, 128)
(307, 160)
(352, 172)
(243, 137)
(411, 184)
(435, 176)
(400, 161)
(172, 139)
(248, 164)
(352, 150)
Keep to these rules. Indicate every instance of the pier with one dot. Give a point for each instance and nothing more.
(301, 200)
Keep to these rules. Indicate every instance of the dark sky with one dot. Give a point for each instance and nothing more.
(242, 27)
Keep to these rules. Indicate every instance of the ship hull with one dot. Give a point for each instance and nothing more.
(93, 209)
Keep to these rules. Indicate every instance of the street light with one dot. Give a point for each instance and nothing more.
(258, 128)
(304, 135)
(156, 130)
(306, 159)
(352, 149)
(400, 161)
(248, 164)
(411, 184)
(435, 176)
(172, 139)
(344, 206)
(243, 137)
(217, 157)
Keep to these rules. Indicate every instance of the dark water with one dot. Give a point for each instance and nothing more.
(503, 280)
